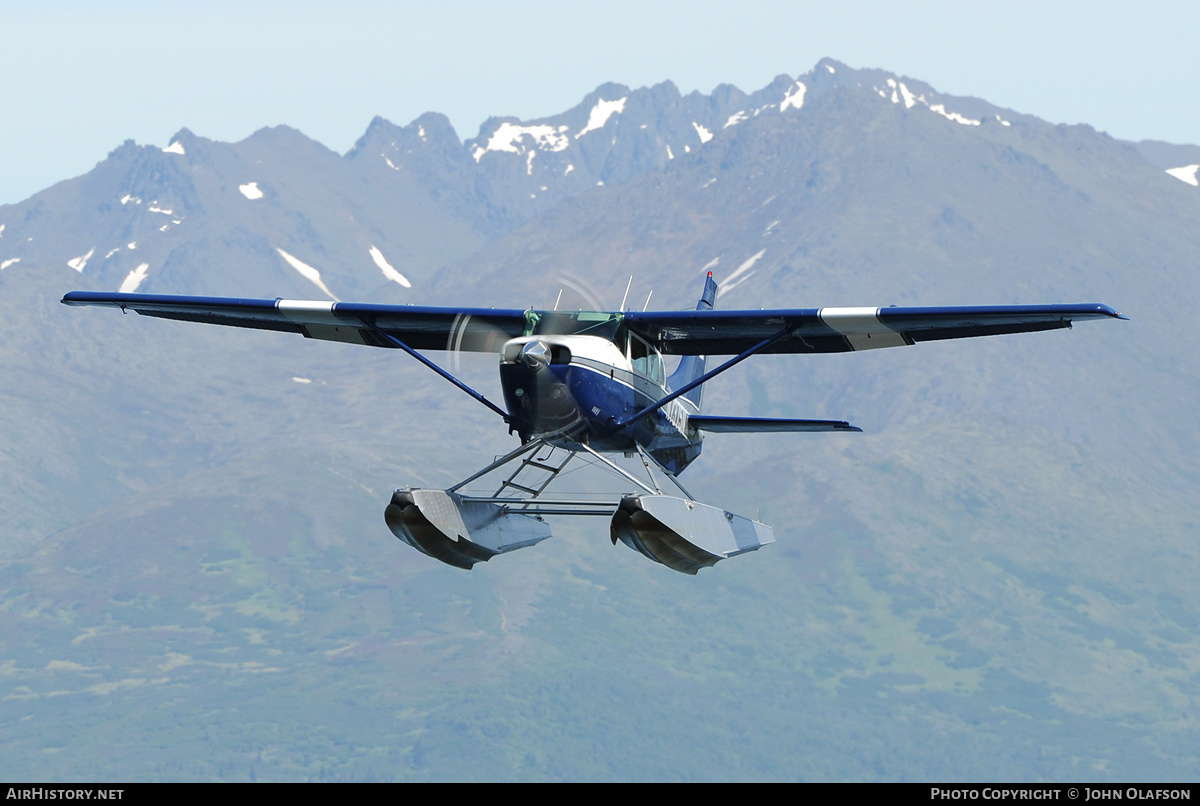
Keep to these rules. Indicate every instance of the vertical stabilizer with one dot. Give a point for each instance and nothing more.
(692, 366)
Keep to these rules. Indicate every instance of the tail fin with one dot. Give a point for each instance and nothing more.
(692, 366)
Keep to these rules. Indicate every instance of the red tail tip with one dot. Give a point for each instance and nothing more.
(710, 274)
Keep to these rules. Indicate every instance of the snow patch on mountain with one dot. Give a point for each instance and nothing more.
(704, 134)
(910, 100)
(9, 262)
(901, 92)
(251, 191)
(742, 269)
(155, 209)
(134, 279)
(957, 118)
(174, 148)
(600, 114)
(509, 135)
(2, 226)
(306, 271)
(77, 263)
(794, 98)
(1186, 174)
(127, 198)
(385, 267)
(734, 119)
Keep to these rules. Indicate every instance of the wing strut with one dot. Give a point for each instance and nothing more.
(647, 459)
(618, 470)
(443, 373)
(683, 390)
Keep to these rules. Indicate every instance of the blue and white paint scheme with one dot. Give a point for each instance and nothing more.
(594, 384)
(579, 377)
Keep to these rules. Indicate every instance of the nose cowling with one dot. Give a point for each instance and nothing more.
(535, 375)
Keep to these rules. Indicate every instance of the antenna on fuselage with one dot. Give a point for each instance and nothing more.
(624, 298)
(558, 299)
(647, 305)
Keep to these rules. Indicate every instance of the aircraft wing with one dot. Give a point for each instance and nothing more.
(472, 329)
(764, 425)
(838, 330)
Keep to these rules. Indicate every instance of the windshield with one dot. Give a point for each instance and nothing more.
(604, 324)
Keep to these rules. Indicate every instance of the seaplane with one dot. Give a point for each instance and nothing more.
(593, 384)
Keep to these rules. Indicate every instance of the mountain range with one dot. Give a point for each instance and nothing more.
(993, 581)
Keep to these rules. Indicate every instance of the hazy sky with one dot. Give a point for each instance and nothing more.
(78, 78)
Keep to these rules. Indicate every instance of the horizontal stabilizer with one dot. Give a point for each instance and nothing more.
(746, 425)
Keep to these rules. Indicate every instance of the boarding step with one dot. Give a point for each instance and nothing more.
(538, 472)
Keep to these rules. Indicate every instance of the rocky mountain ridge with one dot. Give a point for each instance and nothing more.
(406, 200)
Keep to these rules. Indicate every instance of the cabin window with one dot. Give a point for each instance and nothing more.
(646, 359)
(567, 323)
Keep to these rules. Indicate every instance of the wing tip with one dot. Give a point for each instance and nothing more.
(83, 297)
(1109, 311)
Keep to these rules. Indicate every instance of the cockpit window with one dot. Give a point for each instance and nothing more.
(571, 323)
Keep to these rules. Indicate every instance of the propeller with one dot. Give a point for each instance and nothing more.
(470, 334)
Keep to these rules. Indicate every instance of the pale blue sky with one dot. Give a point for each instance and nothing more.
(78, 78)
